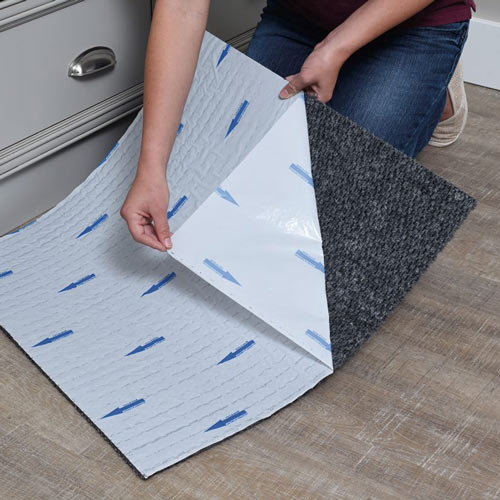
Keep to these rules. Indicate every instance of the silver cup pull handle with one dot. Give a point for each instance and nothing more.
(92, 61)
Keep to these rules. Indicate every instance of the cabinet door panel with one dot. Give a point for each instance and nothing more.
(35, 89)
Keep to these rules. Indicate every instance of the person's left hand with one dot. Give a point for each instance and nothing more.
(318, 75)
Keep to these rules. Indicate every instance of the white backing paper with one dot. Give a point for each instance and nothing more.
(158, 358)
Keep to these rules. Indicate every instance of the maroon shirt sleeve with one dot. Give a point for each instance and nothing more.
(327, 14)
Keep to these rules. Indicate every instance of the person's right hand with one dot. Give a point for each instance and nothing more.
(145, 210)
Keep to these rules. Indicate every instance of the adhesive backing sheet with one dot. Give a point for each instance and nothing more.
(296, 233)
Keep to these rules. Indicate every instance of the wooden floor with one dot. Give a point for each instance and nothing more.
(414, 415)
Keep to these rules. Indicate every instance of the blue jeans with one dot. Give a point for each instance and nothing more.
(395, 86)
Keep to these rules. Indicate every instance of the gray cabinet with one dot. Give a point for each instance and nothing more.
(55, 128)
(35, 88)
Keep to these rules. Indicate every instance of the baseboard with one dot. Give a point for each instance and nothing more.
(480, 58)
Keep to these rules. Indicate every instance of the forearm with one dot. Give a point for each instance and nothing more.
(174, 42)
(371, 20)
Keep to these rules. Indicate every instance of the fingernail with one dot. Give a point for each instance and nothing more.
(168, 243)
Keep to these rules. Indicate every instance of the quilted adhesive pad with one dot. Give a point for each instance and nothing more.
(296, 233)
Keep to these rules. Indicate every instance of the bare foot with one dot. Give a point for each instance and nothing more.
(448, 108)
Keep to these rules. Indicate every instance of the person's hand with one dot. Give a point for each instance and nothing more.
(319, 73)
(145, 211)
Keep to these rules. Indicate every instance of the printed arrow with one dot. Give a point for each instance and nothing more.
(78, 283)
(124, 408)
(151, 343)
(226, 196)
(223, 54)
(237, 352)
(237, 118)
(310, 260)
(297, 169)
(316, 336)
(179, 130)
(177, 206)
(227, 420)
(24, 227)
(93, 226)
(6, 273)
(160, 283)
(106, 158)
(54, 338)
(220, 271)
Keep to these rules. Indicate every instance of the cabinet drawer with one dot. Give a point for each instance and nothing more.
(35, 89)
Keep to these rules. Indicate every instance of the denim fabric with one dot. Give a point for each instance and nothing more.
(395, 86)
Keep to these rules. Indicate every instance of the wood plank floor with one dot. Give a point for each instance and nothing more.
(414, 415)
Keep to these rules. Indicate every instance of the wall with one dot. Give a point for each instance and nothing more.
(481, 61)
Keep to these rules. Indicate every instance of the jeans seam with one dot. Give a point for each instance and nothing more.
(450, 74)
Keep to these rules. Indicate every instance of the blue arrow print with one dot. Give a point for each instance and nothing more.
(78, 283)
(124, 408)
(226, 196)
(310, 260)
(6, 273)
(318, 338)
(177, 206)
(297, 169)
(227, 420)
(93, 226)
(148, 345)
(54, 338)
(237, 352)
(160, 283)
(179, 129)
(223, 54)
(108, 155)
(220, 271)
(237, 118)
(24, 227)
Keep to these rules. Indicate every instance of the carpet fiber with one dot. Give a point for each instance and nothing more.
(383, 218)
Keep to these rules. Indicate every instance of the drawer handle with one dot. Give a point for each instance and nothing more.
(92, 61)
